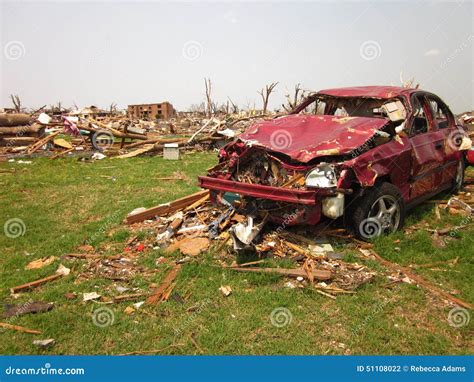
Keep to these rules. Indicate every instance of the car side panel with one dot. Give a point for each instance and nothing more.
(392, 159)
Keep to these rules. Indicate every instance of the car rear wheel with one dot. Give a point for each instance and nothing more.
(381, 210)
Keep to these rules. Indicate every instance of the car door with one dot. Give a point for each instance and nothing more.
(444, 122)
(427, 145)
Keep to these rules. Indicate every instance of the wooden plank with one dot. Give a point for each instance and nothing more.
(136, 152)
(36, 146)
(167, 208)
(35, 284)
(318, 274)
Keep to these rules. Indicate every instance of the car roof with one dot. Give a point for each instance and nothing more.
(383, 92)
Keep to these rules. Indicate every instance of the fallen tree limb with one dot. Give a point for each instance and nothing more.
(421, 281)
(19, 328)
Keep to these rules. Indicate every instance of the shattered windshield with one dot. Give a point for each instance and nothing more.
(392, 109)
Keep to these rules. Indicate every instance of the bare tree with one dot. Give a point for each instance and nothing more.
(113, 108)
(410, 84)
(234, 108)
(197, 108)
(16, 102)
(208, 85)
(293, 101)
(265, 93)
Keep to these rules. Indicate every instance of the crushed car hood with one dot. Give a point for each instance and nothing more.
(305, 137)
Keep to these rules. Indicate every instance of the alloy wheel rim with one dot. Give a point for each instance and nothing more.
(386, 212)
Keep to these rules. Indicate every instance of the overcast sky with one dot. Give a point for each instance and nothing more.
(130, 52)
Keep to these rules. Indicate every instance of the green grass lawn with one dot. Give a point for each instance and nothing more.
(65, 203)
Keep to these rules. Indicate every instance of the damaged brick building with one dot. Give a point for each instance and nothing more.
(151, 111)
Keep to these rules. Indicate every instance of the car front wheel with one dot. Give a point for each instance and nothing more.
(381, 210)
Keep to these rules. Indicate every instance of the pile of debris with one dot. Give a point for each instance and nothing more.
(192, 225)
(24, 134)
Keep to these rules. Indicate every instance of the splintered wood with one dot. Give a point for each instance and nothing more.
(163, 292)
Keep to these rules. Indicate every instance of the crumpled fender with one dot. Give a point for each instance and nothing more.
(392, 158)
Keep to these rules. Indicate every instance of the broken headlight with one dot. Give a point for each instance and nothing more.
(322, 176)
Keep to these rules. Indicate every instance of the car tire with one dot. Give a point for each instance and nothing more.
(379, 210)
(458, 180)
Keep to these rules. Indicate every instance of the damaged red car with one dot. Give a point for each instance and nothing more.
(361, 154)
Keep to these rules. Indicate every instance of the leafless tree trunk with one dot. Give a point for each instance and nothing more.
(113, 107)
(207, 83)
(235, 108)
(16, 102)
(265, 93)
(292, 102)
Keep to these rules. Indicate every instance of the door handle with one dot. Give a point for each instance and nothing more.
(438, 146)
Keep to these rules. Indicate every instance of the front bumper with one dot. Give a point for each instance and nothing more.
(281, 194)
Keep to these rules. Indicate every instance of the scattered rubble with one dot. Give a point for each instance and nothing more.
(102, 134)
